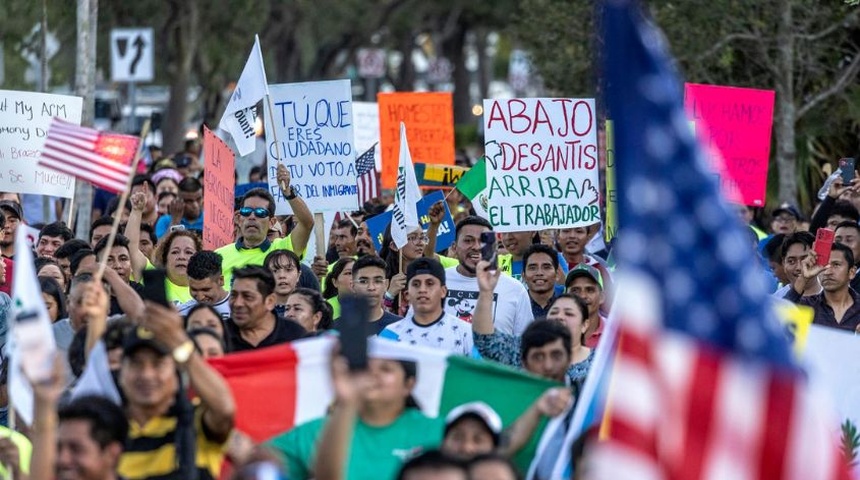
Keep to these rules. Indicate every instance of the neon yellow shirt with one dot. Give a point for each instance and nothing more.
(25, 451)
(235, 255)
(176, 294)
(335, 307)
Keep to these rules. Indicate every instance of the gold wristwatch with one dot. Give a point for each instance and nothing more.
(182, 353)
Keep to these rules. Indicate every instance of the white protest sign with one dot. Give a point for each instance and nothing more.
(830, 356)
(313, 127)
(24, 121)
(541, 163)
(366, 128)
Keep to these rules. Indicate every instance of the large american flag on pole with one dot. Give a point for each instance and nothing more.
(367, 176)
(704, 384)
(101, 158)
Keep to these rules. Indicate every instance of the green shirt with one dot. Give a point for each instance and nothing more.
(375, 453)
(176, 294)
(235, 255)
(335, 307)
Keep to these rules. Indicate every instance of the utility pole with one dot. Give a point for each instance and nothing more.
(85, 86)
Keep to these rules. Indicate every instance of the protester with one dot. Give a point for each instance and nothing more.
(836, 207)
(492, 467)
(433, 465)
(54, 298)
(125, 294)
(173, 253)
(144, 185)
(308, 308)
(586, 282)
(185, 211)
(5, 307)
(48, 267)
(207, 342)
(427, 323)
(100, 229)
(165, 199)
(13, 214)
(51, 237)
(205, 316)
(511, 305)
(286, 268)
(338, 282)
(471, 429)
(254, 217)
(539, 275)
(8, 264)
(573, 243)
(63, 256)
(368, 280)
(517, 244)
(343, 237)
(795, 248)
(206, 284)
(838, 305)
(166, 181)
(254, 323)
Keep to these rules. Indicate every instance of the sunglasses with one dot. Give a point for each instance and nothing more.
(258, 212)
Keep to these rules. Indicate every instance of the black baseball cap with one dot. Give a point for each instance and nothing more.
(140, 337)
(14, 207)
(425, 266)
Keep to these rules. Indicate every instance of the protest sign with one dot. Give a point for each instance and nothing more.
(218, 199)
(24, 121)
(542, 163)
(734, 124)
(438, 176)
(429, 119)
(444, 237)
(313, 128)
(611, 226)
(830, 362)
(365, 128)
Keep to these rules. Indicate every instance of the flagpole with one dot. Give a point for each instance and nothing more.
(121, 205)
(71, 217)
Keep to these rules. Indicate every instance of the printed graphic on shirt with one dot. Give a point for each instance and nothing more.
(462, 303)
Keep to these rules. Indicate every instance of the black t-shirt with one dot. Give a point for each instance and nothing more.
(284, 331)
(114, 303)
(387, 319)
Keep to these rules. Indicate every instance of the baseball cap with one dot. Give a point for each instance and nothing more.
(425, 266)
(789, 209)
(479, 411)
(13, 206)
(583, 270)
(140, 337)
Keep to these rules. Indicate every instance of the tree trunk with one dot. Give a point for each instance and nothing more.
(786, 150)
(485, 63)
(85, 86)
(456, 51)
(183, 31)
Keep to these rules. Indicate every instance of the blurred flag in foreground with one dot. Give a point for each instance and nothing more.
(704, 384)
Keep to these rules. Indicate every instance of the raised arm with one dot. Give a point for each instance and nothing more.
(551, 403)
(482, 319)
(436, 214)
(132, 232)
(304, 218)
(95, 303)
(43, 435)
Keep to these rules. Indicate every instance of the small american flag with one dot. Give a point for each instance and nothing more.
(368, 177)
(103, 159)
(704, 384)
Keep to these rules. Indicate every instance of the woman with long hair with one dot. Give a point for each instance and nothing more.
(337, 283)
(55, 300)
(286, 268)
(173, 254)
(308, 308)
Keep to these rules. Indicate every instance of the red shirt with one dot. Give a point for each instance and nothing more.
(594, 338)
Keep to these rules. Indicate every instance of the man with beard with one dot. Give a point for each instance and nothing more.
(541, 264)
(512, 311)
(254, 217)
(363, 242)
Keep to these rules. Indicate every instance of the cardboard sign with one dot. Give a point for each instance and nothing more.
(734, 124)
(445, 236)
(438, 176)
(365, 128)
(611, 225)
(313, 128)
(218, 187)
(429, 119)
(542, 163)
(24, 121)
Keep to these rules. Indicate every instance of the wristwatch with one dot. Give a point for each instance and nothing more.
(182, 353)
(292, 193)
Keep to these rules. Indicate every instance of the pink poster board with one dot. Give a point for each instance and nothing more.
(734, 124)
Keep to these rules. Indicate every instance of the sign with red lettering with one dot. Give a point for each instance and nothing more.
(734, 124)
(24, 120)
(429, 119)
(217, 191)
(542, 167)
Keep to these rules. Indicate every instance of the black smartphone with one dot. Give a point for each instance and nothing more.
(354, 328)
(846, 165)
(154, 287)
(488, 249)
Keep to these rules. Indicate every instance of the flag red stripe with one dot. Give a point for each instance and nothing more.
(635, 346)
(631, 436)
(703, 391)
(69, 153)
(75, 130)
(97, 180)
(52, 159)
(779, 405)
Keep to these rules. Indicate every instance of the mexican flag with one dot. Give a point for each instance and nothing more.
(473, 185)
(278, 387)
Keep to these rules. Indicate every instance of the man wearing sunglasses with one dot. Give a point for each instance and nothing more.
(255, 217)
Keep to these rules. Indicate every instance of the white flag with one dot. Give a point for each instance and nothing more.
(26, 301)
(240, 116)
(404, 218)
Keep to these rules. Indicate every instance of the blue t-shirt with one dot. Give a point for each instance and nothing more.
(163, 224)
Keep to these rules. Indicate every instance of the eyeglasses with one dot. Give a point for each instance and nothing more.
(418, 238)
(258, 212)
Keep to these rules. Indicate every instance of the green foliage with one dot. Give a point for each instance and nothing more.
(850, 442)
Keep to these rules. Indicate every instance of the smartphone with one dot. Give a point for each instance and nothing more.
(154, 287)
(823, 244)
(488, 250)
(354, 328)
(37, 356)
(847, 165)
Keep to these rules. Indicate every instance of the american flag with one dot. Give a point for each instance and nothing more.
(704, 384)
(103, 159)
(368, 177)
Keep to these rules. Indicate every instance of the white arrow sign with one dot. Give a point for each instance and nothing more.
(131, 54)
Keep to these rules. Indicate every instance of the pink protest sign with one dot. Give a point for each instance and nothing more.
(735, 124)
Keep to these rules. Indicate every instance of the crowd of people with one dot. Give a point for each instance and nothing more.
(540, 307)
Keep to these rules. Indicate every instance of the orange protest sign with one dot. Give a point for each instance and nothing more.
(429, 119)
(218, 185)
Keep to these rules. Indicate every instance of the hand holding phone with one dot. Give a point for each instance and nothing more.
(847, 166)
(822, 246)
(488, 249)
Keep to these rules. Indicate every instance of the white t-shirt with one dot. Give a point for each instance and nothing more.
(223, 307)
(447, 333)
(512, 309)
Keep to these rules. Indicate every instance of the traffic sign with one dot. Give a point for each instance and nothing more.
(371, 62)
(131, 54)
